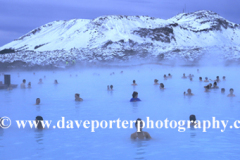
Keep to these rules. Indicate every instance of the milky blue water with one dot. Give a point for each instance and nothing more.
(99, 104)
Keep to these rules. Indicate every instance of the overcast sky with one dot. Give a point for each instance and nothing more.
(17, 17)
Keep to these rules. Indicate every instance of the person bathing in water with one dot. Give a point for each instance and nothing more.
(184, 76)
(134, 97)
(140, 135)
(169, 75)
(37, 101)
(38, 122)
(231, 93)
(40, 81)
(55, 81)
(189, 93)
(156, 82)
(110, 88)
(162, 86)
(191, 75)
(29, 85)
(215, 85)
(134, 83)
(23, 84)
(77, 97)
(206, 79)
(200, 79)
(165, 77)
(207, 88)
(217, 79)
(224, 78)
(192, 119)
(223, 90)
(210, 85)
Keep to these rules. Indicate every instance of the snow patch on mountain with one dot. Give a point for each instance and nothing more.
(187, 36)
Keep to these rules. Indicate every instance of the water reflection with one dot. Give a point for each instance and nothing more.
(110, 92)
(141, 149)
(39, 139)
(77, 106)
(1, 136)
(192, 135)
(134, 106)
(38, 107)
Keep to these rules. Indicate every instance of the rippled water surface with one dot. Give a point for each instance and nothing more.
(99, 104)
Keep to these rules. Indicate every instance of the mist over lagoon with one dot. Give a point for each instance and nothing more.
(57, 100)
(119, 80)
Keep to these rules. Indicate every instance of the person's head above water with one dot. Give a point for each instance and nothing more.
(55, 81)
(189, 91)
(134, 97)
(231, 93)
(37, 101)
(134, 81)
(207, 88)
(111, 87)
(38, 120)
(77, 95)
(223, 90)
(192, 118)
(155, 81)
(184, 76)
(139, 121)
(139, 124)
(215, 84)
(24, 80)
(206, 78)
(224, 77)
(161, 85)
(200, 78)
(135, 94)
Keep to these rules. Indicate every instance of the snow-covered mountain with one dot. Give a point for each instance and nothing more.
(187, 36)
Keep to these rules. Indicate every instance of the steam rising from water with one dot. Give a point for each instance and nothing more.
(100, 104)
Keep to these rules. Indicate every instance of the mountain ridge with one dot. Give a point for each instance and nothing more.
(187, 36)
